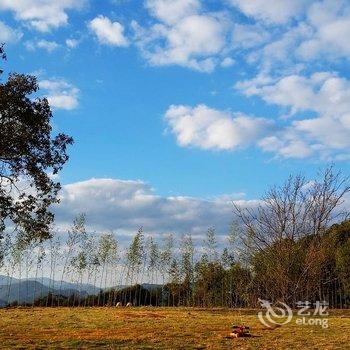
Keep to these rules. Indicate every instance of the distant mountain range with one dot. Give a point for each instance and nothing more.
(53, 284)
(27, 290)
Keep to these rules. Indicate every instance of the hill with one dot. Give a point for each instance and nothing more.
(27, 290)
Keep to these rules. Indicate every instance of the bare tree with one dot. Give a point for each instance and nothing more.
(134, 257)
(166, 256)
(283, 234)
(40, 256)
(175, 282)
(211, 245)
(153, 264)
(187, 266)
(75, 235)
(54, 255)
(294, 210)
(107, 254)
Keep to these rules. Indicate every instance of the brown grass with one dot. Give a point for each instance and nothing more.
(161, 328)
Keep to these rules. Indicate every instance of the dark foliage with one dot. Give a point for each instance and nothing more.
(29, 153)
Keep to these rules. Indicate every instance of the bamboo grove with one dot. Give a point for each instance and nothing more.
(294, 245)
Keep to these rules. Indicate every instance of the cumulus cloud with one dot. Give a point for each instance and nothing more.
(171, 11)
(112, 204)
(182, 35)
(330, 21)
(270, 11)
(124, 206)
(278, 54)
(287, 144)
(322, 92)
(49, 46)
(108, 32)
(60, 93)
(247, 36)
(7, 34)
(280, 35)
(209, 128)
(72, 43)
(316, 123)
(325, 95)
(319, 31)
(227, 62)
(42, 15)
(313, 107)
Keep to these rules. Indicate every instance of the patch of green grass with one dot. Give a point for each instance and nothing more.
(160, 328)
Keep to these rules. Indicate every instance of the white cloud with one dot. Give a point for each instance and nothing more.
(171, 11)
(280, 40)
(112, 204)
(270, 11)
(72, 43)
(330, 20)
(60, 93)
(319, 101)
(319, 32)
(279, 53)
(227, 62)
(247, 36)
(108, 32)
(7, 34)
(288, 144)
(322, 92)
(183, 35)
(124, 206)
(49, 46)
(41, 14)
(284, 33)
(208, 128)
(325, 95)
(332, 133)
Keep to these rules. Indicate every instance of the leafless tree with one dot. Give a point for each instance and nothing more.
(297, 211)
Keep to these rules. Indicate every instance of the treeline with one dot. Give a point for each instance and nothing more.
(287, 248)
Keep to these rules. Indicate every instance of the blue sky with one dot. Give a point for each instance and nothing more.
(178, 107)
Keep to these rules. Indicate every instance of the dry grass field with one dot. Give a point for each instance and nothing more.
(161, 328)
